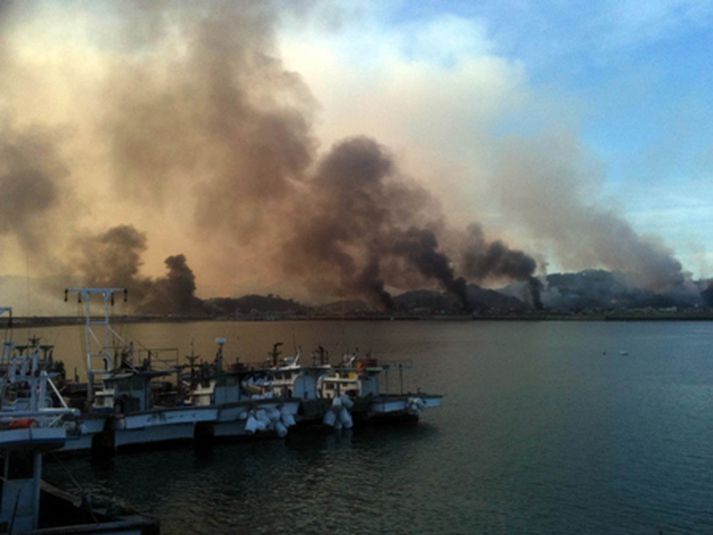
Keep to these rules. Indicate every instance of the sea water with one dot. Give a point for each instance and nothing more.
(546, 427)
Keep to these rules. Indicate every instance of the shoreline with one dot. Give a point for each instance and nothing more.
(59, 321)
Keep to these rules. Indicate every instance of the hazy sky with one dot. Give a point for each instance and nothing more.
(631, 79)
(578, 133)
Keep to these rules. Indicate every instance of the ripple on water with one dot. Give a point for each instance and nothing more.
(539, 433)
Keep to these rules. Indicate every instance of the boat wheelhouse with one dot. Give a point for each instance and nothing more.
(359, 379)
(242, 408)
(289, 378)
(27, 432)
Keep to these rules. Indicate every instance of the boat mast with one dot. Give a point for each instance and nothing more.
(7, 345)
(98, 333)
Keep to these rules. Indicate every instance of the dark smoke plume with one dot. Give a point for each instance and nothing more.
(707, 295)
(223, 119)
(361, 219)
(535, 292)
(340, 232)
(234, 118)
(174, 293)
(372, 283)
(113, 259)
(481, 261)
(551, 196)
(31, 176)
(200, 117)
(420, 247)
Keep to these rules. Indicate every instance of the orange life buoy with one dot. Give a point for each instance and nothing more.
(22, 423)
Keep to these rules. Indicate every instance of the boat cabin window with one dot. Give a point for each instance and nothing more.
(129, 384)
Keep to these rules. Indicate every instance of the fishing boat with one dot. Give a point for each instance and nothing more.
(355, 385)
(242, 409)
(129, 401)
(289, 377)
(38, 358)
(138, 398)
(30, 427)
(339, 395)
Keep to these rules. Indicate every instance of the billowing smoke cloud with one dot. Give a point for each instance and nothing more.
(31, 174)
(198, 107)
(481, 261)
(230, 123)
(113, 259)
(351, 221)
(366, 225)
(548, 185)
(420, 247)
(174, 293)
(215, 113)
(205, 130)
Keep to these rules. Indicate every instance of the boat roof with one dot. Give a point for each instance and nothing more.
(128, 374)
(352, 369)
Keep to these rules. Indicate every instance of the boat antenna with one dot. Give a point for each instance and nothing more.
(27, 279)
(27, 284)
(294, 343)
(322, 355)
(275, 353)
(7, 341)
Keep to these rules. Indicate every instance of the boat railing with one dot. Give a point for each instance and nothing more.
(159, 358)
(36, 384)
(398, 365)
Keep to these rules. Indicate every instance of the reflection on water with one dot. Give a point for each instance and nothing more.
(540, 432)
(325, 482)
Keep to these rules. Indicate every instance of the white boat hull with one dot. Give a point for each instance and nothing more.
(173, 425)
(393, 406)
(35, 436)
(169, 425)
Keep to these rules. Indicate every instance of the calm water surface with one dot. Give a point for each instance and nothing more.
(540, 432)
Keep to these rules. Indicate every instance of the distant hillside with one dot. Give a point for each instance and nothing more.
(583, 292)
(487, 300)
(352, 307)
(601, 289)
(433, 302)
(253, 304)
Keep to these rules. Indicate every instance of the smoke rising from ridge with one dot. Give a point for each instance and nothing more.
(420, 247)
(357, 208)
(208, 136)
(547, 185)
(482, 260)
(238, 131)
(365, 225)
(113, 259)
